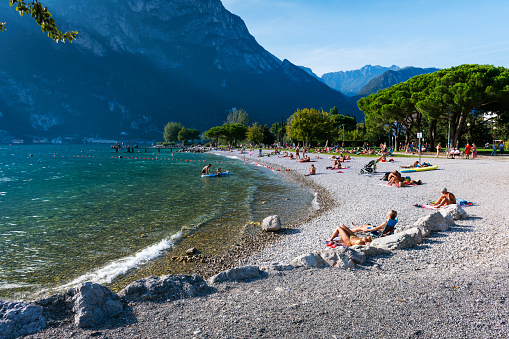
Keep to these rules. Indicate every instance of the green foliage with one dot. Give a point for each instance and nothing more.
(43, 18)
(186, 134)
(278, 130)
(452, 95)
(234, 132)
(239, 116)
(310, 126)
(255, 133)
(171, 131)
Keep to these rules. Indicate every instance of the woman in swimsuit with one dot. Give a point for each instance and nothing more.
(348, 237)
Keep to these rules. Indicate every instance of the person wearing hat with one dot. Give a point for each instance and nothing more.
(447, 198)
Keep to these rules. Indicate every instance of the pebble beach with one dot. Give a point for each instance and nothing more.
(455, 284)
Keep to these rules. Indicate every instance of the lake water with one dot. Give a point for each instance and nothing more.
(75, 213)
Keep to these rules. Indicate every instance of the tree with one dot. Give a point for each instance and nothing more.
(238, 116)
(43, 18)
(171, 131)
(186, 134)
(309, 125)
(215, 133)
(234, 132)
(255, 133)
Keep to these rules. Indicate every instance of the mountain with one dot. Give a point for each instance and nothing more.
(389, 78)
(138, 64)
(351, 82)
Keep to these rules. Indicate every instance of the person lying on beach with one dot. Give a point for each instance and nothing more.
(390, 222)
(447, 198)
(345, 235)
(284, 156)
(397, 180)
(206, 169)
(312, 170)
(305, 159)
(416, 165)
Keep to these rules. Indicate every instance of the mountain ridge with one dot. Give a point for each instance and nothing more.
(139, 64)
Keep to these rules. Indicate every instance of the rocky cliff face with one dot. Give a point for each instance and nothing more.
(351, 82)
(138, 64)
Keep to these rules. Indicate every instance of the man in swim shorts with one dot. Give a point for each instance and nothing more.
(447, 198)
(206, 169)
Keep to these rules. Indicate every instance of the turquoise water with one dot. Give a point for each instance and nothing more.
(73, 213)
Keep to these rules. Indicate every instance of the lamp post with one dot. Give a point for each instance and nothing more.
(468, 134)
(343, 125)
(494, 146)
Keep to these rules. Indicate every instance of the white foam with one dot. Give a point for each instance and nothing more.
(107, 273)
(315, 203)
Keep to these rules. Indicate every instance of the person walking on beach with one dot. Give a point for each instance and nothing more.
(439, 147)
(494, 147)
(474, 151)
(206, 169)
(297, 156)
(447, 198)
(467, 151)
(501, 146)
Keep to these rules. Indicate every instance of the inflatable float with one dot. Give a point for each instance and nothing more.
(419, 169)
(215, 175)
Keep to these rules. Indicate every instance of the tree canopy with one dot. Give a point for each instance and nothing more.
(238, 116)
(171, 131)
(450, 95)
(186, 134)
(310, 125)
(43, 18)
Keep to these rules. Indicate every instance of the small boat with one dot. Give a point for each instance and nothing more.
(419, 169)
(215, 174)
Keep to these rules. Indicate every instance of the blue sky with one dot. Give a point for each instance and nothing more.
(341, 35)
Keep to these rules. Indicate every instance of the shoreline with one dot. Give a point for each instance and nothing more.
(455, 282)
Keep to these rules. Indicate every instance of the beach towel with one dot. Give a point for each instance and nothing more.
(394, 185)
(460, 202)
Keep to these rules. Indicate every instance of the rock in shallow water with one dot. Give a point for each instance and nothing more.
(271, 224)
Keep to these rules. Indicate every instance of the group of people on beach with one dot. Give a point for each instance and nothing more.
(345, 236)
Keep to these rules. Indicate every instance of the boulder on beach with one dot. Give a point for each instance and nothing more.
(309, 260)
(342, 257)
(454, 211)
(271, 223)
(397, 241)
(18, 319)
(236, 274)
(93, 304)
(434, 222)
(167, 287)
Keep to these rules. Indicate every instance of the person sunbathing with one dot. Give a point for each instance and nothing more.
(305, 159)
(390, 223)
(284, 156)
(414, 165)
(291, 156)
(312, 170)
(447, 198)
(345, 235)
(395, 179)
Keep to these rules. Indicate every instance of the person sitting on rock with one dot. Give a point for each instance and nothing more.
(447, 198)
(343, 235)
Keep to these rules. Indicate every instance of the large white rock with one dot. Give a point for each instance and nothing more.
(369, 250)
(454, 211)
(313, 259)
(396, 241)
(416, 234)
(236, 274)
(271, 223)
(433, 222)
(342, 257)
(93, 304)
(19, 319)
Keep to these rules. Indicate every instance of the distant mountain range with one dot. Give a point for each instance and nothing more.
(391, 77)
(351, 82)
(137, 65)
